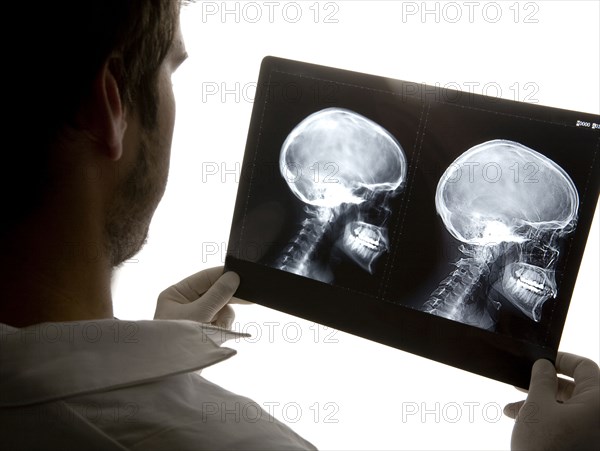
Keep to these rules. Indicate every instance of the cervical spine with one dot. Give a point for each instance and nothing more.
(455, 297)
(299, 253)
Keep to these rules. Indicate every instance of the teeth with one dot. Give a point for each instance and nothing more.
(363, 243)
(359, 246)
(527, 287)
(527, 283)
(366, 237)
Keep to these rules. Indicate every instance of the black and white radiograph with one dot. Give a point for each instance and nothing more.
(449, 226)
(510, 207)
(343, 167)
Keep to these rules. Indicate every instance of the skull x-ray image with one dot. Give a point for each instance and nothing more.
(343, 167)
(443, 223)
(509, 206)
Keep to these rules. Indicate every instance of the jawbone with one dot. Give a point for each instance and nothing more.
(364, 243)
(527, 287)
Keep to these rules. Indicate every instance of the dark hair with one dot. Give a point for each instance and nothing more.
(51, 64)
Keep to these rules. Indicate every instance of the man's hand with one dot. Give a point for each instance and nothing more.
(202, 297)
(559, 413)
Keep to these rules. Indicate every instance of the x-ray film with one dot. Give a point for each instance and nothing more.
(443, 223)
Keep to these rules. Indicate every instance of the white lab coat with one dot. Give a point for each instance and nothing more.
(125, 385)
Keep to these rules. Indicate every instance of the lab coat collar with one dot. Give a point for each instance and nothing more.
(50, 361)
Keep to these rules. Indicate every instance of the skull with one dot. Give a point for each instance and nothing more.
(335, 159)
(516, 201)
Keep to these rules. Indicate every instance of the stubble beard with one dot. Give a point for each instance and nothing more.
(129, 217)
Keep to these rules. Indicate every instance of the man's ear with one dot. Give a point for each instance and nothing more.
(105, 114)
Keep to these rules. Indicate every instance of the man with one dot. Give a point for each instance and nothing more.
(93, 109)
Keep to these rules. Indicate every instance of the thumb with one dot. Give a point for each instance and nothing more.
(544, 383)
(206, 308)
(224, 318)
(511, 410)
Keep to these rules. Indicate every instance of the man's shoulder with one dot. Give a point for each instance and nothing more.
(183, 411)
(126, 385)
(52, 361)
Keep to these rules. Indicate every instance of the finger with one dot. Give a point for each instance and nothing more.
(543, 384)
(224, 317)
(564, 392)
(565, 389)
(194, 286)
(216, 297)
(512, 409)
(584, 371)
(236, 300)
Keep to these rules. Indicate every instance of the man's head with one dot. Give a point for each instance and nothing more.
(93, 91)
